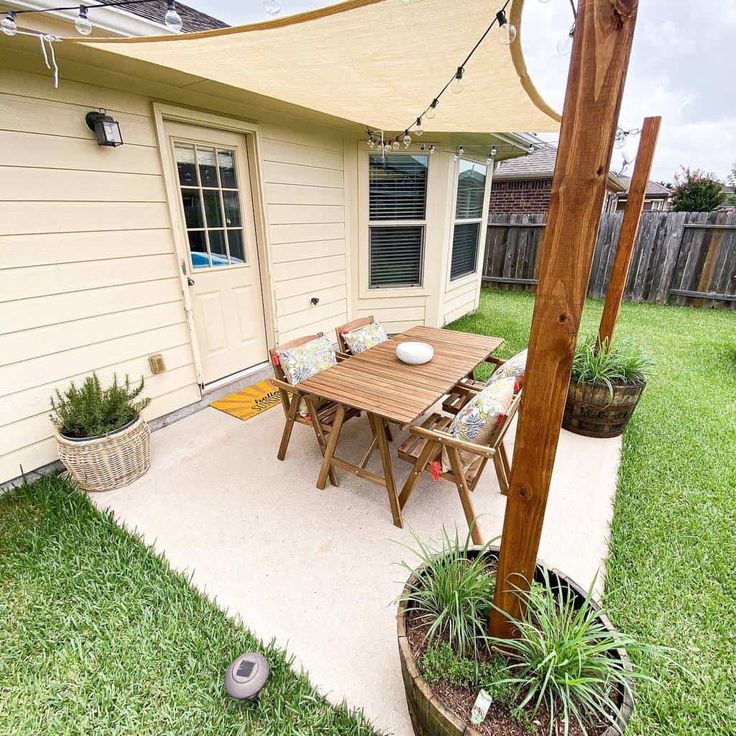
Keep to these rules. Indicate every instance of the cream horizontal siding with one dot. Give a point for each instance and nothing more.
(88, 277)
(305, 202)
(460, 299)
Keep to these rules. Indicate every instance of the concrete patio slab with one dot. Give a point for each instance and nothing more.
(317, 570)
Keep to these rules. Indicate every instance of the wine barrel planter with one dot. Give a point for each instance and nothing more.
(592, 411)
(108, 461)
(430, 717)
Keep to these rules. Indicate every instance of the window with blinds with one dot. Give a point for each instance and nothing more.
(397, 195)
(471, 186)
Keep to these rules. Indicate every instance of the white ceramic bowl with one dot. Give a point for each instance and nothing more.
(414, 353)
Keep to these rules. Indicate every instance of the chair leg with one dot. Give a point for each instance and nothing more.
(506, 464)
(288, 426)
(324, 471)
(389, 436)
(503, 483)
(464, 493)
(478, 474)
(319, 431)
(429, 451)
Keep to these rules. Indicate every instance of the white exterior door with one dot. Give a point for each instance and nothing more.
(221, 254)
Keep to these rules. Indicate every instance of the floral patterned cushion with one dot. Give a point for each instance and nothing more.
(515, 367)
(307, 360)
(365, 337)
(478, 420)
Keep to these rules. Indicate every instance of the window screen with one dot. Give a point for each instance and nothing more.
(397, 211)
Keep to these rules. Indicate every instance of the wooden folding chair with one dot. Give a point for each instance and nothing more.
(349, 327)
(322, 413)
(464, 390)
(344, 352)
(425, 445)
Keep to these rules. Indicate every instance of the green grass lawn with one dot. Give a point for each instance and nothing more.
(98, 636)
(670, 577)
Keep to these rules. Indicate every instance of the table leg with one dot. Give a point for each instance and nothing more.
(326, 468)
(378, 425)
(319, 431)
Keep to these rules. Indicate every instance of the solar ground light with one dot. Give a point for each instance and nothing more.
(246, 676)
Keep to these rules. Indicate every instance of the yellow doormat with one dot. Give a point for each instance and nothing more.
(250, 401)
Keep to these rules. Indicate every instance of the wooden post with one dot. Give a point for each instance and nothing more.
(600, 59)
(629, 229)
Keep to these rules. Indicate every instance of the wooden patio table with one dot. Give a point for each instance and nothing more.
(377, 382)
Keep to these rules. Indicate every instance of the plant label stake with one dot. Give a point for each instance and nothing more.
(480, 707)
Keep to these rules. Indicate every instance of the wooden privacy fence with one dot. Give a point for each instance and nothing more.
(685, 258)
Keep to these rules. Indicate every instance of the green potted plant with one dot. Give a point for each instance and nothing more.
(568, 671)
(102, 439)
(606, 385)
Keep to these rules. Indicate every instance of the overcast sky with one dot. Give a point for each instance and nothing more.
(683, 67)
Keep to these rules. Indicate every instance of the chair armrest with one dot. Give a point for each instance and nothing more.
(468, 387)
(283, 386)
(342, 356)
(447, 439)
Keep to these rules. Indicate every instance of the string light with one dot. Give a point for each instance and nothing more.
(459, 153)
(564, 45)
(8, 24)
(82, 23)
(172, 19)
(272, 7)
(432, 109)
(418, 130)
(457, 83)
(506, 30)
(407, 139)
(622, 135)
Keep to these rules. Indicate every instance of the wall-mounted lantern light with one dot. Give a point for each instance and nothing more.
(105, 128)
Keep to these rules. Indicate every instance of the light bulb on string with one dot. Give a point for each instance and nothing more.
(371, 143)
(457, 84)
(418, 130)
(82, 23)
(432, 110)
(620, 140)
(564, 45)
(8, 24)
(506, 30)
(395, 145)
(407, 139)
(172, 19)
(432, 149)
(272, 7)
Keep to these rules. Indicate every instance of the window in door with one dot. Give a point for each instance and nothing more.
(397, 195)
(471, 186)
(208, 183)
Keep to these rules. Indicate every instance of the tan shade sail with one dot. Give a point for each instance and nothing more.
(373, 62)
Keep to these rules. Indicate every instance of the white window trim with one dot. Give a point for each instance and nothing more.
(365, 291)
(482, 220)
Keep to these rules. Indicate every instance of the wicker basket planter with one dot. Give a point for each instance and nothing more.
(591, 411)
(110, 461)
(430, 717)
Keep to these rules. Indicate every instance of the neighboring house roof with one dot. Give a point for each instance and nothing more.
(540, 165)
(655, 190)
(193, 20)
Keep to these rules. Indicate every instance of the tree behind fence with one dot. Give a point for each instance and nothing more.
(685, 258)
